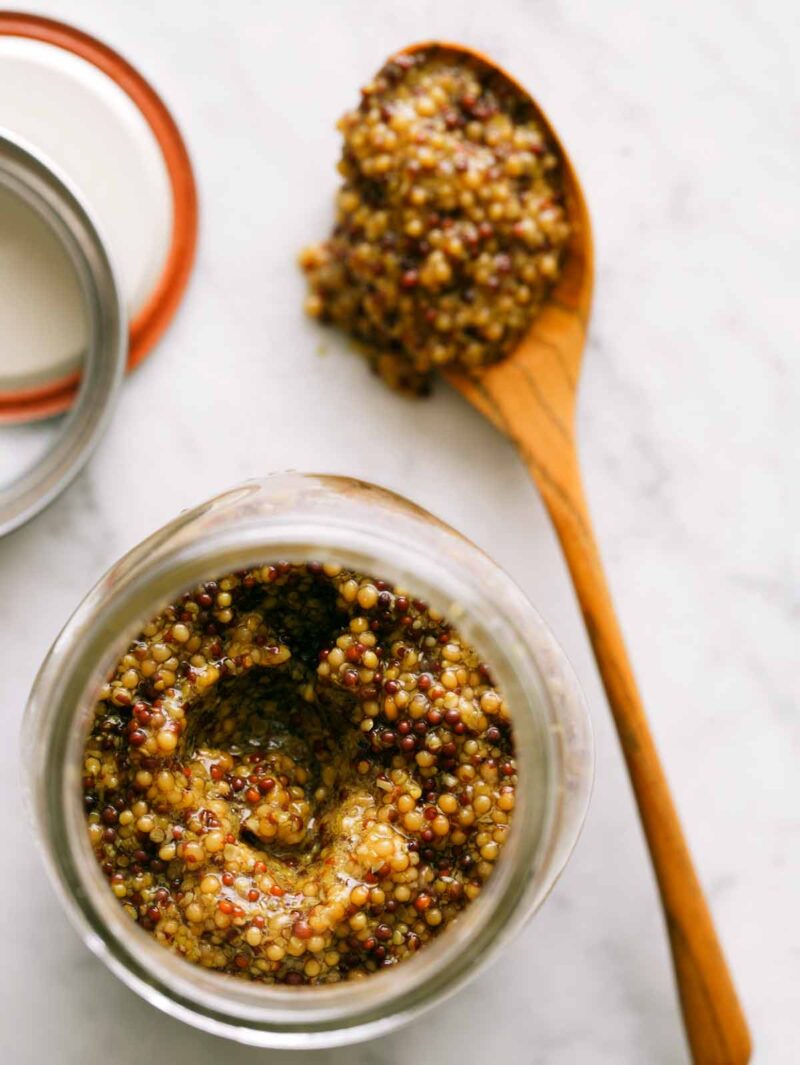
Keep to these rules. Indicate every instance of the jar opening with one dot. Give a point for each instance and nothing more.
(485, 612)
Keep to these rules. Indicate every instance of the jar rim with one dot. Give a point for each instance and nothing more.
(501, 630)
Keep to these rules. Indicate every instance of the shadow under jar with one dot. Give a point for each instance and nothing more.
(298, 518)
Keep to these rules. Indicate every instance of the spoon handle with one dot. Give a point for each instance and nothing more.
(714, 1022)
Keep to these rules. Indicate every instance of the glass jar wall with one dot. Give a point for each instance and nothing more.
(298, 518)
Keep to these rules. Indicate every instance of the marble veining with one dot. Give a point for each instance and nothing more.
(682, 122)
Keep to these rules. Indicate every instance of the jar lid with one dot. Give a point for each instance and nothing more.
(39, 202)
(102, 126)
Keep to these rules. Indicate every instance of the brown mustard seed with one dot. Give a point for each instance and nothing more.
(450, 222)
(338, 784)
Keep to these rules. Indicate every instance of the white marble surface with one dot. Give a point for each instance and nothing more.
(682, 121)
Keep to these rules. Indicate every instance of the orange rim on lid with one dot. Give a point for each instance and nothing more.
(159, 303)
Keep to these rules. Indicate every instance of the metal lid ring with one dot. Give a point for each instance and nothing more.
(26, 173)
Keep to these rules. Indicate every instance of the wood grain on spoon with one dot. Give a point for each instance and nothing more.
(531, 397)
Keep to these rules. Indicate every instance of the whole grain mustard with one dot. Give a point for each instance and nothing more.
(450, 223)
(298, 774)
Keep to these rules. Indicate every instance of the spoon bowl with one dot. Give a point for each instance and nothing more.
(530, 396)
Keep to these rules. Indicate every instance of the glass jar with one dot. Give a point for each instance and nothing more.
(296, 518)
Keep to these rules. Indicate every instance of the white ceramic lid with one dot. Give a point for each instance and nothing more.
(103, 127)
(84, 122)
(42, 316)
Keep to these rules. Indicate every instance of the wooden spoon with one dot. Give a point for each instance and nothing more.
(531, 397)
